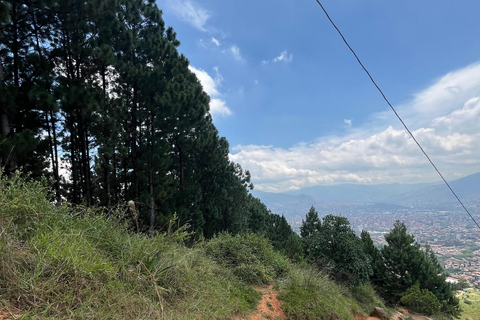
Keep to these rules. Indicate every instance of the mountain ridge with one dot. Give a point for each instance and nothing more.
(338, 199)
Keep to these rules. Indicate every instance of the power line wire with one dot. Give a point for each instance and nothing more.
(393, 109)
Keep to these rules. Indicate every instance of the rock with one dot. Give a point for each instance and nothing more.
(398, 316)
(404, 311)
(380, 313)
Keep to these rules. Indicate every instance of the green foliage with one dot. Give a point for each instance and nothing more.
(376, 261)
(308, 230)
(462, 284)
(309, 294)
(470, 304)
(64, 262)
(420, 300)
(294, 247)
(333, 245)
(366, 297)
(250, 257)
(405, 265)
(102, 82)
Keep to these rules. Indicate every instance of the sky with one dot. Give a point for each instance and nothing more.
(299, 111)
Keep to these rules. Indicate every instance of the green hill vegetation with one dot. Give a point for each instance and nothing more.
(83, 263)
(470, 304)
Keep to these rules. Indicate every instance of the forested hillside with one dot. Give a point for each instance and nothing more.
(98, 91)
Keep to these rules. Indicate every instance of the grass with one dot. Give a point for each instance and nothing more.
(366, 298)
(60, 262)
(470, 304)
(309, 294)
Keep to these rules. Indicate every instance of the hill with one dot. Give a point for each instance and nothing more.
(466, 188)
(344, 198)
(359, 193)
(60, 262)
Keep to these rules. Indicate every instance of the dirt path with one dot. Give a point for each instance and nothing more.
(359, 317)
(270, 307)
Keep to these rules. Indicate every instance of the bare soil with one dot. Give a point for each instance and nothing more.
(270, 307)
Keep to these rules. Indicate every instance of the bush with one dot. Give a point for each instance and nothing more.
(309, 294)
(420, 300)
(366, 297)
(251, 257)
(66, 262)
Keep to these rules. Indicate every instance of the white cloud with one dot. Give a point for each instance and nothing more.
(215, 41)
(218, 77)
(445, 119)
(283, 57)
(235, 51)
(189, 11)
(208, 83)
(347, 122)
(210, 86)
(218, 107)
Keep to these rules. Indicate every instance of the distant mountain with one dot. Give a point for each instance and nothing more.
(345, 198)
(466, 188)
(291, 206)
(359, 193)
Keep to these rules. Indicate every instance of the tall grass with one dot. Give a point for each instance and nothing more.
(65, 262)
(309, 294)
(75, 263)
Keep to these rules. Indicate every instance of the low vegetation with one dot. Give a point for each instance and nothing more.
(82, 263)
(62, 262)
(470, 304)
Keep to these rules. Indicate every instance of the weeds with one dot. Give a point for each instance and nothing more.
(250, 257)
(75, 263)
(63, 262)
(309, 294)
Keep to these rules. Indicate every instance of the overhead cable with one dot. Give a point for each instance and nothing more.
(393, 109)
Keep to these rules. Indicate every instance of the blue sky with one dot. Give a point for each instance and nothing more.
(299, 111)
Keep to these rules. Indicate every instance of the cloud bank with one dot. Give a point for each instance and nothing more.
(444, 118)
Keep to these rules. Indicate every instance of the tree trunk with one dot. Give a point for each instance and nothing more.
(74, 165)
(134, 142)
(151, 230)
(53, 155)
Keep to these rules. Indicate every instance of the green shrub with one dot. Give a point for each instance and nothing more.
(366, 297)
(309, 294)
(75, 263)
(251, 257)
(420, 300)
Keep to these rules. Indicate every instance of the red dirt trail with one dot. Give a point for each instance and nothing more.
(270, 307)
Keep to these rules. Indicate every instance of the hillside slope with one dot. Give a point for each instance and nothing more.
(79, 263)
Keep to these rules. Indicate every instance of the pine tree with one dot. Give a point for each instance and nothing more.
(309, 228)
(406, 264)
(23, 69)
(333, 245)
(376, 262)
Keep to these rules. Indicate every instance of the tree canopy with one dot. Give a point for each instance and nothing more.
(97, 90)
(406, 265)
(332, 244)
